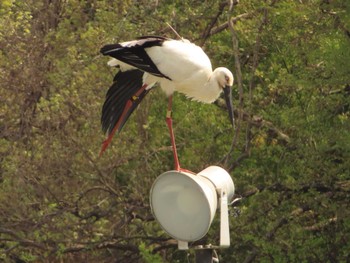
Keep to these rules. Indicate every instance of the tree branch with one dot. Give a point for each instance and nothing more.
(337, 21)
(22, 241)
(239, 81)
(207, 32)
(254, 121)
(255, 64)
(322, 225)
(232, 20)
(251, 257)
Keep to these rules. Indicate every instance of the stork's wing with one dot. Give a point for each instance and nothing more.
(134, 53)
(122, 98)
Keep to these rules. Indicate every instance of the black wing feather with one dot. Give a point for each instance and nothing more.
(135, 54)
(125, 86)
(133, 107)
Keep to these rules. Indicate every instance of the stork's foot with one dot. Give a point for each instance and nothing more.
(184, 170)
(177, 165)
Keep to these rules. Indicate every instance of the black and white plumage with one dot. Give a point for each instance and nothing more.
(125, 86)
(177, 65)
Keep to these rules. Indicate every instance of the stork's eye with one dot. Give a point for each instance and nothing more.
(227, 78)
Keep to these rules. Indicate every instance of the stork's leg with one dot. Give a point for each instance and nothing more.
(169, 122)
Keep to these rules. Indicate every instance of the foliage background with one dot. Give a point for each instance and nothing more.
(288, 156)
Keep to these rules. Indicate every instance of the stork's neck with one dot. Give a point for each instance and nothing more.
(206, 92)
(201, 86)
(211, 90)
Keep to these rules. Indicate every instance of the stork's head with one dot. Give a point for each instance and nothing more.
(224, 77)
(225, 81)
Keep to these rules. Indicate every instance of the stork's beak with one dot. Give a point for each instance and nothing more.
(228, 99)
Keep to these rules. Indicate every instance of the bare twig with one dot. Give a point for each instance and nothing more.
(22, 241)
(239, 81)
(252, 77)
(257, 122)
(103, 178)
(175, 32)
(337, 21)
(248, 134)
(207, 31)
(271, 234)
(322, 225)
(233, 20)
(251, 257)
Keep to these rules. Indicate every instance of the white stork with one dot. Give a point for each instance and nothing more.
(177, 65)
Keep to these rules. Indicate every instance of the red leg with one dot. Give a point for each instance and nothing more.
(169, 122)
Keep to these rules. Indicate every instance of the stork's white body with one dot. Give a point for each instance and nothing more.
(177, 65)
(186, 64)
